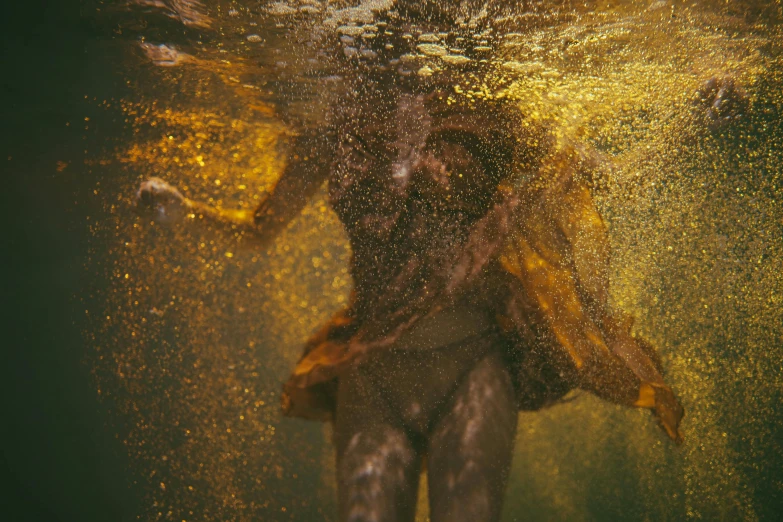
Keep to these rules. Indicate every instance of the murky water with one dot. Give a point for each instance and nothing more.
(195, 332)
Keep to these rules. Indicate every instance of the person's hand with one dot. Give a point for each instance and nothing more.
(722, 100)
(161, 201)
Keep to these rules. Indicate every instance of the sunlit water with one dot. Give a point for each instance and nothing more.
(194, 335)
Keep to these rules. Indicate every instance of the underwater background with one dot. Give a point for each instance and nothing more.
(144, 365)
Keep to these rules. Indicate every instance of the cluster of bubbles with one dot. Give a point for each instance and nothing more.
(192, 331)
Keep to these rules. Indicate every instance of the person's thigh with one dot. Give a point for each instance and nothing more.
(377, 465)
(470, 449)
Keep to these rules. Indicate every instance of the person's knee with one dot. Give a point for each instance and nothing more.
(377, 472)
(473, 499)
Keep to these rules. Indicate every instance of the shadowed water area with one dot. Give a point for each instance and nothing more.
(192, 332)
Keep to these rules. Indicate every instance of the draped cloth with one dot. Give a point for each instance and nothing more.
(540, 256)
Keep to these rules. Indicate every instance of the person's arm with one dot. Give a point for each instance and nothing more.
(310, 161)
(309, 164)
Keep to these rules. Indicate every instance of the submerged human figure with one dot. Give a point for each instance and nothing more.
(480, 270)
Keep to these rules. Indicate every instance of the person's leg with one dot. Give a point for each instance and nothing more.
(377, 465)
(470, 448)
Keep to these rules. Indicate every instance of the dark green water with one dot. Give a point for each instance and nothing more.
(61, 461)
